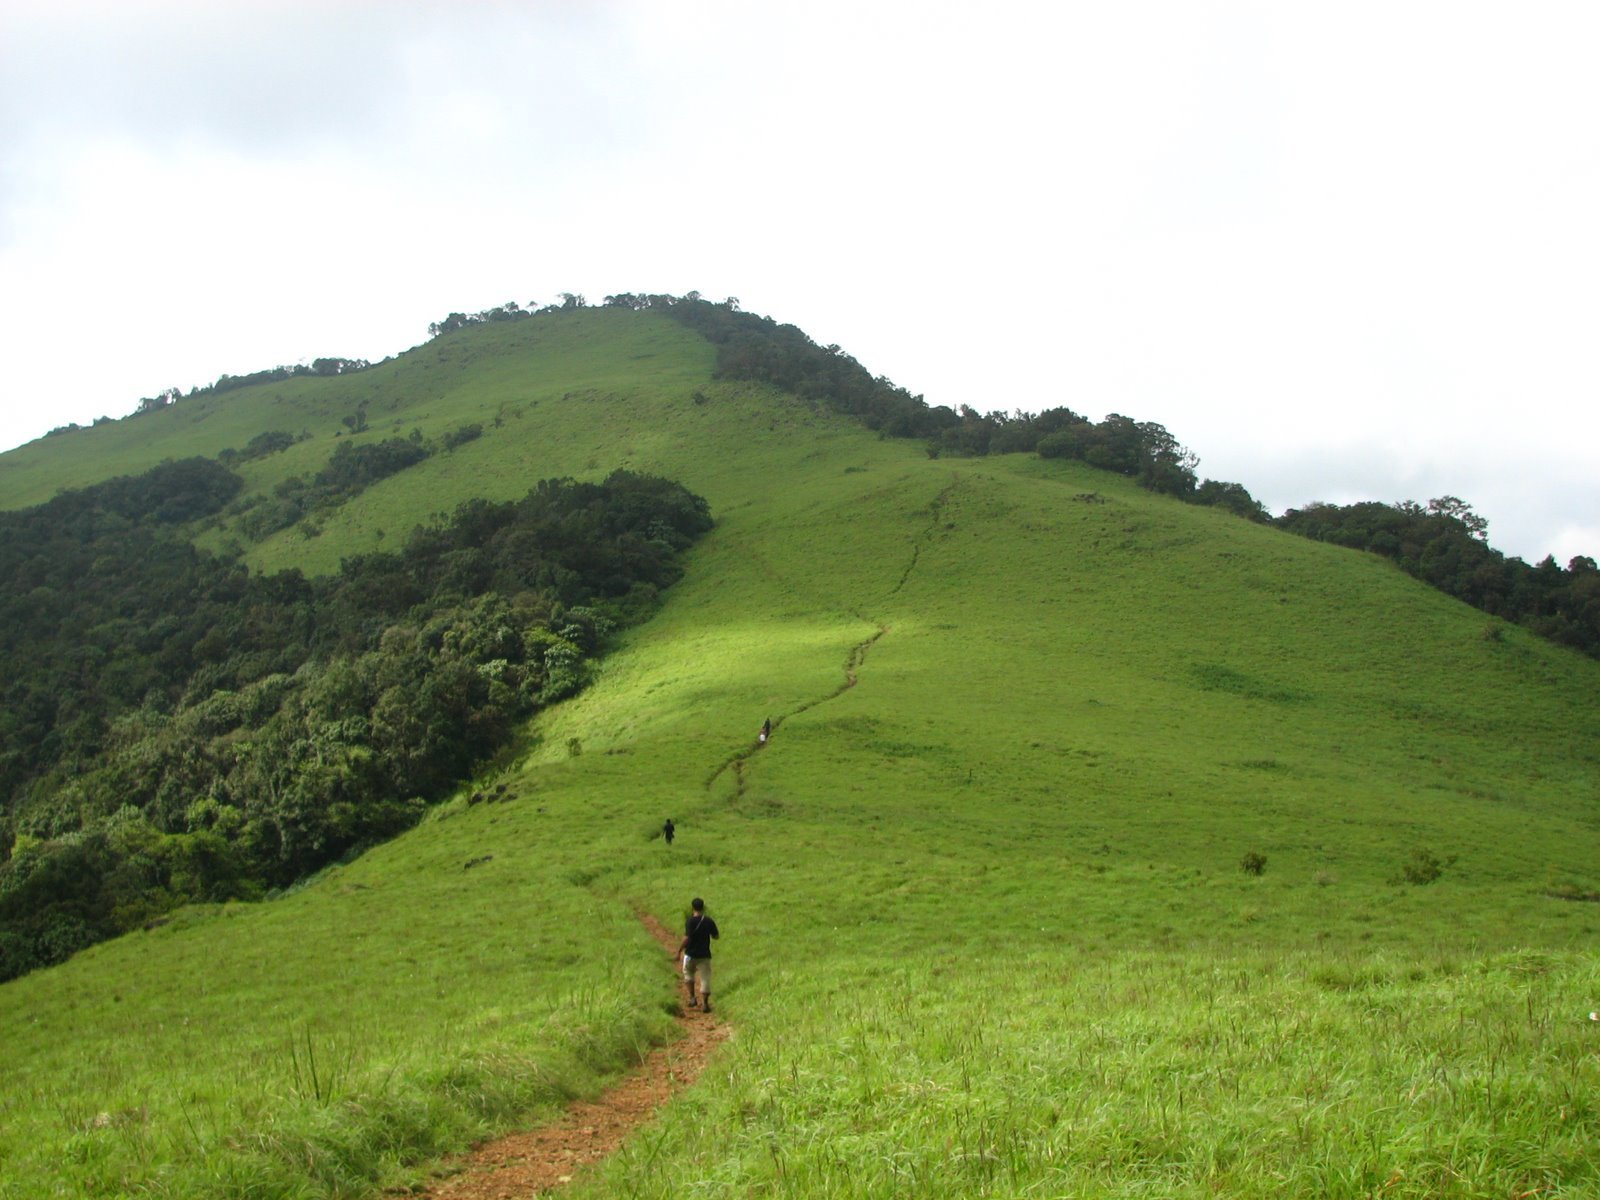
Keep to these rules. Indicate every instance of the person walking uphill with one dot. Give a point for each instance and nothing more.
(695, 951)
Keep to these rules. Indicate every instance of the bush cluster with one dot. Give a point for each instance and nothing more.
(353, 467)
(1421, 867)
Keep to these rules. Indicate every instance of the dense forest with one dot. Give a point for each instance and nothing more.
(174, 729)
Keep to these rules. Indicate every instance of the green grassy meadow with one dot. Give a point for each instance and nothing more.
(986, 931)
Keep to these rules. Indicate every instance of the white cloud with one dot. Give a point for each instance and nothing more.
(1340, 251)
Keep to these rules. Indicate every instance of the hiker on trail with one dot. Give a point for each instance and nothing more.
(766, 731)
(695, 951)
(668, 830)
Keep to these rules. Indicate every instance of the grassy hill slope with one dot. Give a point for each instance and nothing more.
(985, 926)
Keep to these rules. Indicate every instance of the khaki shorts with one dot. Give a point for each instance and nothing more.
(700, 967)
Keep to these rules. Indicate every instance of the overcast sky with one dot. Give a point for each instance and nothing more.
(1342, 251)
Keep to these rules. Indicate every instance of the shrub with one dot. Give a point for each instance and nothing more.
(461, 435)
(1423, 866)
(1253, 863)
(1569, 889)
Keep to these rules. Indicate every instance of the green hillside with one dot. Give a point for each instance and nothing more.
(986, 930)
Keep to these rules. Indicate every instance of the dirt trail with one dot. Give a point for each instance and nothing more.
(531, 1164)
(524, 1165)
(737, 761)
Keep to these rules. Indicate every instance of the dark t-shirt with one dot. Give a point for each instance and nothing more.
(699, 930)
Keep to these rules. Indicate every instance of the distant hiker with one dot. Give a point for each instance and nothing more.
(668, 830)
(766, 731)
(695, 951)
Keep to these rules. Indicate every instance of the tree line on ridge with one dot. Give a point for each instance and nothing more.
(1443, 543)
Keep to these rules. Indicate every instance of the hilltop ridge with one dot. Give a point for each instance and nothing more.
(1443, 542)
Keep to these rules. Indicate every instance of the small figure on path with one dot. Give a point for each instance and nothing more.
(695, 951)
(766, 731)
(669, 830)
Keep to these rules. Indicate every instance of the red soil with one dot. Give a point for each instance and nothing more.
(530, 1164)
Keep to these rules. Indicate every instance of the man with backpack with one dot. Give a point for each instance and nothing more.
(695, 951)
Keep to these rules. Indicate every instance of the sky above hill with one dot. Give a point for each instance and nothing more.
(1341, 251)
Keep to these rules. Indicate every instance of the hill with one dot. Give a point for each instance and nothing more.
(987, 929)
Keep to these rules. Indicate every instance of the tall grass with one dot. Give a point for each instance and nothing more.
(1174, 1075)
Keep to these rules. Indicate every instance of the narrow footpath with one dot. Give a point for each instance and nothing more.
(524, 1165)
(739, 759)
(541, 1161)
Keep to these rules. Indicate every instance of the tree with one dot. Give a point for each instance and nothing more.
(157, 402)
(1233, 497)
(338, 366)
(1456, 509)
